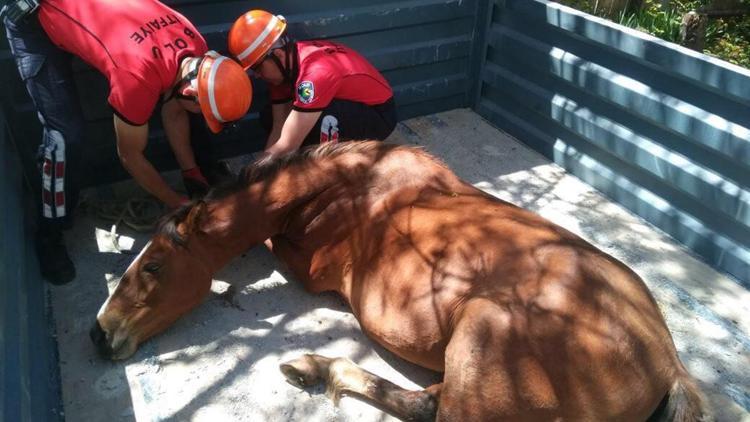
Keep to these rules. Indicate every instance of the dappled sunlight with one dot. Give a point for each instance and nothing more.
(576, 207)
(713, 350)
(274, 280)
(112, 280)
(217, 354)
(707, 338)
(221, 360)
(109, 241)
(241, 365)
(643, 100)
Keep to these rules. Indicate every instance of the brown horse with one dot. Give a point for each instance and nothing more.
(526, 320)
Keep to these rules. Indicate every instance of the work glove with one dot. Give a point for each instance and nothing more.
(217, 172)
(195, 183)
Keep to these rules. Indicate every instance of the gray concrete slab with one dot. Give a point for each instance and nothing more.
(220, 362)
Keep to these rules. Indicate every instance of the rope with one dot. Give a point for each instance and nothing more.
(140, 214)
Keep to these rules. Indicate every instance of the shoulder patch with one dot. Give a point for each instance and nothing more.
(306, 92)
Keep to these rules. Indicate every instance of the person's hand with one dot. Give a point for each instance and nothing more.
(181, 200)
(195, 183)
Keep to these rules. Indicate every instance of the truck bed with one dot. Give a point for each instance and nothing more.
(220, 362)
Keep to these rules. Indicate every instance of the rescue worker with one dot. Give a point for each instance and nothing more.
(320, 91)
(151, 55)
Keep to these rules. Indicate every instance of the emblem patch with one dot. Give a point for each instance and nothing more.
(306, 92)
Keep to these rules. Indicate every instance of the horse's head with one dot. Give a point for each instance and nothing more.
(170, 276)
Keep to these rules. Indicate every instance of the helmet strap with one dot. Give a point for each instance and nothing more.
(286, 69)
(293, 59)
(279, 65)
(190, 77)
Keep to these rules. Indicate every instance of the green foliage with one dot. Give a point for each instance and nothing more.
(582, 5)
(652, 19)
(729, 39)
(726, 38)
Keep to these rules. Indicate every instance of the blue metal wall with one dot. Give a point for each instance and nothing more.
(424, 48)
(660, 129)
(29, 384)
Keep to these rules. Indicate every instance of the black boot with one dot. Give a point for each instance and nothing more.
(54, 262)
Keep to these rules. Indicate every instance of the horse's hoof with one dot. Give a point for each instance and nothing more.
(293, 376)
(301, 372)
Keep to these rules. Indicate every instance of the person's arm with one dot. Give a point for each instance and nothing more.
(296, 127)
(279, 113)
(175, 120)
(131, 141)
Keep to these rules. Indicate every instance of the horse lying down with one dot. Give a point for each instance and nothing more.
(525, 320)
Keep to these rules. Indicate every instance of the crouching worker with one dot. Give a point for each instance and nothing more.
(150, 54)
(320, 91)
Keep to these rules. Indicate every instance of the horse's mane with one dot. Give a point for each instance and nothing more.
(266, 167)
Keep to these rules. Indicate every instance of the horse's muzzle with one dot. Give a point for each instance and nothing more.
(99, 337)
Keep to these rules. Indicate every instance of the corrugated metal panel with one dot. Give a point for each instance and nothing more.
(661, 129)
(29, 384)
(423, 47)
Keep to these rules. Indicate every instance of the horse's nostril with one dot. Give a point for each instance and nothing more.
(100, 340)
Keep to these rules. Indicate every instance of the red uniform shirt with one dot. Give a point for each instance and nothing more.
(330, 71)
(136, 44)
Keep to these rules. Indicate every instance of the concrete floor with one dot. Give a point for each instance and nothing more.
(220, 363)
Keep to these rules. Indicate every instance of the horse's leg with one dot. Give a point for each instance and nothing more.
(344, 377)
(294, 260)
(489, 372)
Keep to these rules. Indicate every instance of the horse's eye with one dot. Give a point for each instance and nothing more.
(152, 268)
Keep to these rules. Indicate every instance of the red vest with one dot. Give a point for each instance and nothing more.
(136, 44)
(330, 71)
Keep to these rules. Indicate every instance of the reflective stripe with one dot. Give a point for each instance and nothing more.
(211, 94)
(53, 175)
(47, 169)
(59, 172)
(263, 35)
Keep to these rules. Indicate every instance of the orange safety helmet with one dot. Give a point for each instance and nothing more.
(253, 35)
(224, 90)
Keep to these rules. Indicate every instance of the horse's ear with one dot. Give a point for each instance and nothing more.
(191, 224)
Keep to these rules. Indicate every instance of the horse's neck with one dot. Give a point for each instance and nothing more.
(260, 211)
(315, 198)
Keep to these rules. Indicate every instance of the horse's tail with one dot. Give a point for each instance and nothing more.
(684, 402)
(343, 377)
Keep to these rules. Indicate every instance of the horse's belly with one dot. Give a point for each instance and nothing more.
(407, 323)
(406, 275)
(394, 304)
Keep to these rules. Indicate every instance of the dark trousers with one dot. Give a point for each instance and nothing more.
(346, 120)
(46, 71)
